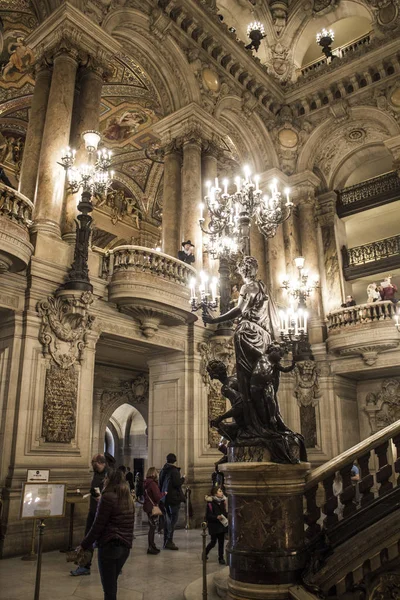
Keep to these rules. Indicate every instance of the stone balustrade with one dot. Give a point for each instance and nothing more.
(151, 286)
(339, 52)
(15, 218)
(361, 313)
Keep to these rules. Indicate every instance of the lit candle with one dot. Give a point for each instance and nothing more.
(201, 206)
(208, 186)
(213, 288)
(287, 192)
(257, 180)
(282, 320)
(305, 321)
(247, 173)
(216, 183)
(225, 182)
(237, 182)
(192, 288)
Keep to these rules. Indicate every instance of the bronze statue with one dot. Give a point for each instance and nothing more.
(253, 392)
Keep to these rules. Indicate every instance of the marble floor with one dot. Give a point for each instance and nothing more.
(144, 577)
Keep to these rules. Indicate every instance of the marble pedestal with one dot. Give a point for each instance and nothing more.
(266, 551)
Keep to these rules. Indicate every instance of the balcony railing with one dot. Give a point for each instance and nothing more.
(144, 260)
(370, 259)
(361, 313)
(368, 194)
(338, 52)
(15, 218)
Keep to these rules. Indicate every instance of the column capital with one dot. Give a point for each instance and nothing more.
(326, 208)
(393, 145)
(212, 149)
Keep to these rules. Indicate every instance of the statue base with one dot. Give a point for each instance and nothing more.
(266, 551)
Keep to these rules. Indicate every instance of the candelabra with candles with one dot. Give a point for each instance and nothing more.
(93, 177)
(205, 296)
(256, 32)
(293, 333)
(231, 214)
(325, 39)
(301, 288)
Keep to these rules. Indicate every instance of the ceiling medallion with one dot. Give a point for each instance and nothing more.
(356, 135)
(211, 80)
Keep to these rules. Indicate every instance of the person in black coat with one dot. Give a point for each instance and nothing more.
(129, 478)
(186, 254)
(170, 483)
(216, 515)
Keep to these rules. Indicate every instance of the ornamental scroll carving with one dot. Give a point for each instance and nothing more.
(135, 391)
(220, 348)
(64, 327)
(307, 393)
(383, 408)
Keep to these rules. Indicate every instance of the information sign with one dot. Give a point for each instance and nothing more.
(36, 475)
(43, 500)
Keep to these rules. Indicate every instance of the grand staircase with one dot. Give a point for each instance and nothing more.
(352, 530)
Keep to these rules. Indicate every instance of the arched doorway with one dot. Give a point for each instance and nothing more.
(126, 433)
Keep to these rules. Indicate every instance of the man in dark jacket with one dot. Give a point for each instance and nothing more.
(129, 478)
(170, 481)
(100, 464)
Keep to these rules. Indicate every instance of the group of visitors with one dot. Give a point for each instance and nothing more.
(111, 517)
(386, 290)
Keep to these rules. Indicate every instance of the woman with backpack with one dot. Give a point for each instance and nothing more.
(217, 521)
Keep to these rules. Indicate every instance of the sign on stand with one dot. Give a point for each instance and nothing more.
(36, 475)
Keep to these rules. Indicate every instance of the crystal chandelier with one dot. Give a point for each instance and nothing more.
(325, 39)
(92, 176)
(301, 288)
(231, 214)
(256, 32)
(203, 295)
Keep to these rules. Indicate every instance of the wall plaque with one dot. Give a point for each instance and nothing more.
(59, 410)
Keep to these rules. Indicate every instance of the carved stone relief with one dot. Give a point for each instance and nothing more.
(220, 348)
(383, 408)
(64, 327)
(307, 393)
(135, 391)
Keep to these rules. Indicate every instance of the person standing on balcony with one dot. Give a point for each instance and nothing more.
(186, 255)
(388, 290)
(373, 293)
(349, 302)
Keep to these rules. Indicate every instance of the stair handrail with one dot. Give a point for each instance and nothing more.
(320, 473)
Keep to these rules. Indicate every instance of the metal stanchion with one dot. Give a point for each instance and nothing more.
(39, 559)
(204, 558)
(187, 494)
(32, 554)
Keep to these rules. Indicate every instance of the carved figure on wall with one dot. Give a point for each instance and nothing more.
(20, 56)
(135, 391)
(383, 408)
(307, 392)
(121, 206)
(257, 370)
(64, 326)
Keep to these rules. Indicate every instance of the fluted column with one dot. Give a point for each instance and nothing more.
(276, 264)
(171, 239)
(291, 239)
(34, 134)
(88, 114)
(191, 196)
(258, 250)
(51, 176)
(309, 249)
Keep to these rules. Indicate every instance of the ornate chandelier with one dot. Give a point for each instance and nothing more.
(203, 295)
(300, 289)
(231, 214)
(325, 39)
(256, 33)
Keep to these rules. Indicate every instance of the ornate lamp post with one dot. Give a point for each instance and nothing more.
(204, 295)
(293, 322)
(94, 178)
(256, 32)
(325, 39)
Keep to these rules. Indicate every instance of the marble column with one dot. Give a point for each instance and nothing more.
(192, 197)
(276, 265)
(333, 281)
(171, 239)
(309, 249)
(51, 176)
(88, 114)
(257, 249)
(34, 134)
(209, 171)
(266, 550)
(291, 240)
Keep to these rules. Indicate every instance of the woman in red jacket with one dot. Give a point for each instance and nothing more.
(152, 497)
(112, 531)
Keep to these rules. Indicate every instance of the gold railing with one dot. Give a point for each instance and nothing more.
(15, 206)
(335, 479)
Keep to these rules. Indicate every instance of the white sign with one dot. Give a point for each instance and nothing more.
(43, 500)
(36, 475)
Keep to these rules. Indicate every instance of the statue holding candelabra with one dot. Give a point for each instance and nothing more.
(258, 431)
